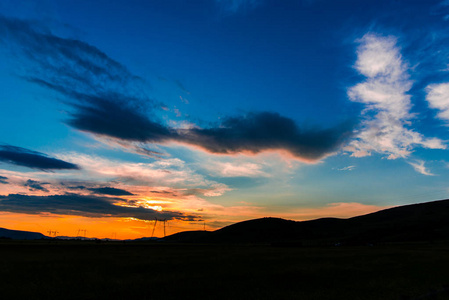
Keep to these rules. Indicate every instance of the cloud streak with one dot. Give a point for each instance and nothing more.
(3, 180)
(419, 167)
(239, 169)
(167, 173)
(81, 205)
(32, 159)
(110, 191)
(34, 185)
(348, 168)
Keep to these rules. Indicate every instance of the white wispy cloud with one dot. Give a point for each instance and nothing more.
(348, 168)
(231, 169)
(171, 173)
(270, 166)
(387, 115)
(419, 167)
(438, 98)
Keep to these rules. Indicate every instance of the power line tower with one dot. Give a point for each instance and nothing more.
(154, 227)
(155, 223)
(165, 220)
(81, 231)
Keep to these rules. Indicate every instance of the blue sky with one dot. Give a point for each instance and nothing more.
(126, 111)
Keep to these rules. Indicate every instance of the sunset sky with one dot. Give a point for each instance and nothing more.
(208, 112)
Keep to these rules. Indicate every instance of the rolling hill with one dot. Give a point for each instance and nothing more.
(21, 235)
(416, 222)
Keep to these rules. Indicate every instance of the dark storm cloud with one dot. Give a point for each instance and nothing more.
(3, 179)
(79, 205)
(34, 185)
(110, 191)
(257, 132)
(110, 114)
(32, 159)
(108, 100)
(111, 119)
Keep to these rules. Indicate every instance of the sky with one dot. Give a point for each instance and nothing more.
(115, 114)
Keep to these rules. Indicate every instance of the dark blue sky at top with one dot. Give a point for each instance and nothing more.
(266, 58)
(290, 57)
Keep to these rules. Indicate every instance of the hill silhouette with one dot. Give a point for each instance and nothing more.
(21, 235)
(416, 222)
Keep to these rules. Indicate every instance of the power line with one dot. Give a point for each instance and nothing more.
(52, 233)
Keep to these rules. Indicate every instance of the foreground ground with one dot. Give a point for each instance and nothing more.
(118, 270)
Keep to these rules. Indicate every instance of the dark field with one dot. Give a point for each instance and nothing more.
(118, 270)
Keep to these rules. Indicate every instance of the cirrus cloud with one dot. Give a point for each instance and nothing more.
(386, 117)
(419, 167)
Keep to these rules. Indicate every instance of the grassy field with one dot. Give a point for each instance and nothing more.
(118, 270)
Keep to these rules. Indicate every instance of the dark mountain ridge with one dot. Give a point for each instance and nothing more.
(415, 222)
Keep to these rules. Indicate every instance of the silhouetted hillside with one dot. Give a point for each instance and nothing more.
(188, 236)
(263, 230)
(417, 222)
(21, 235)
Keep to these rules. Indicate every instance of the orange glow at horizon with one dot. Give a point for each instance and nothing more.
(131, 228)
(108, 227)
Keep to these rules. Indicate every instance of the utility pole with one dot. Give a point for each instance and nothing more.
(165, 220)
